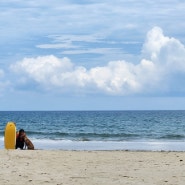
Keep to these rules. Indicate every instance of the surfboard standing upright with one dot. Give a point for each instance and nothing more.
(10, 136)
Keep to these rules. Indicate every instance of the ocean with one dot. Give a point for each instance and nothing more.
(100, 130)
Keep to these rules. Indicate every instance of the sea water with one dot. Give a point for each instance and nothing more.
(100, 130)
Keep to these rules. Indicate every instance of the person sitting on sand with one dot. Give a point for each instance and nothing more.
(22, 140)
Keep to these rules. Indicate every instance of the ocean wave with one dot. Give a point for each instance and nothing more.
(173, 136)
(86, 127)
(1, 133)
(88, 136)
(48, 144)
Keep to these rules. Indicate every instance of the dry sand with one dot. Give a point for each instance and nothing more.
(91, 167)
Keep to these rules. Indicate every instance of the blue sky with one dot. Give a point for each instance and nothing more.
(92, 55)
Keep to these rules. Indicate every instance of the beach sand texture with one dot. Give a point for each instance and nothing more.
(59, 167)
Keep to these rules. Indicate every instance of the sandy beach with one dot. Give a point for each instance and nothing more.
(59, 167)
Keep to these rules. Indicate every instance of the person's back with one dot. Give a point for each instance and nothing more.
(20, 139)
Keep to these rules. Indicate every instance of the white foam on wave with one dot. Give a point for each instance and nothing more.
(47, 144)
(110, 145)
(1, 142)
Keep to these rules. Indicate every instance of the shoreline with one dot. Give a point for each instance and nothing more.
(92, 167)
(150, 145)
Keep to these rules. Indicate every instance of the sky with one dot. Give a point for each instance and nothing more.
(92, 55)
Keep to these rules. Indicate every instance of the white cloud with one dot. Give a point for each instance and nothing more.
(43, 69)
(92, 51)
(56, 46)
(168, 54)
(74, 17)
(162, 58)
(68, 41)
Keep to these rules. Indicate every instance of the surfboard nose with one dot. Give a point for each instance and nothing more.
(10, 135)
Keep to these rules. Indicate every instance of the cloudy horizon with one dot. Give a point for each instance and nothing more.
(78, 55)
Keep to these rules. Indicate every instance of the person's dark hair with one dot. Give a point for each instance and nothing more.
(21, 130)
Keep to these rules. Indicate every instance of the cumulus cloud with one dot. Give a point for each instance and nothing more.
(164, 51)
(118, 77)
(162, 57)
(168, 56)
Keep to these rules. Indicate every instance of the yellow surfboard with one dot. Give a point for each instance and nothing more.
(10, 136)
